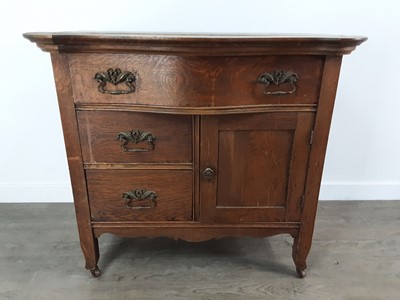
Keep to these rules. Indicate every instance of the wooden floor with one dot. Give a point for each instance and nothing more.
(355, 255)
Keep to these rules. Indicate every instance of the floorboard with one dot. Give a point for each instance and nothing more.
(355, 255)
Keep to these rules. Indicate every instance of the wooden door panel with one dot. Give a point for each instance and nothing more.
(253, 167)
(260, 162)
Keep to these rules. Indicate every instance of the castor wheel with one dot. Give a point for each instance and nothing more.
(96, 272)
(301, 273)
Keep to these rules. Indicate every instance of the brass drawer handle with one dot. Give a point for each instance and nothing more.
(278, 78)
(116, 77)
(136, 196)
(136, 136)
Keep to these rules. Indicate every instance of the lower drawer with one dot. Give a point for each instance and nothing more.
(132, 195)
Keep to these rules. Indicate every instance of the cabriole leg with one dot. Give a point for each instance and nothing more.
(299, 254)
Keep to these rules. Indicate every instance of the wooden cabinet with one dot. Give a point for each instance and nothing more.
(195, 137)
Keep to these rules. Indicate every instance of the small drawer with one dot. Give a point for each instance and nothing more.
(131, 137)
(126, 195)
(195, 81)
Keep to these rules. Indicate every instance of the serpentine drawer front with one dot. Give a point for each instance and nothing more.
(170, 80)
(195, 137)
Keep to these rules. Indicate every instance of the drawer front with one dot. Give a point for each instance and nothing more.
(190, 81)
(131, 137)
(126, 195)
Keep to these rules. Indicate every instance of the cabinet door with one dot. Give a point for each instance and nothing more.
(253, 166)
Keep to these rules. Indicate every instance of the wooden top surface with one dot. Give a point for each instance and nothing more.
(199, 43)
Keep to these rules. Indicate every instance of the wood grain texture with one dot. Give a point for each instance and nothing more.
(99, 130)
(302, 244)
(174, 195)
(169, 80)
(253, 167)
(299, 166)
(261, 164)
(89, 243)
(195, 44)
(196, 168)
(208, 159)
(193, 232)
(216, 110)
(140, 166)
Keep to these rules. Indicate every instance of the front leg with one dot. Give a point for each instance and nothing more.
(299, 254)
(90, 249)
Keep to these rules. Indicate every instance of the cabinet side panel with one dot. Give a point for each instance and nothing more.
(71, 136)
(317, 156)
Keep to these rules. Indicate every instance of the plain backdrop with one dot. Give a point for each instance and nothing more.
(363, 153)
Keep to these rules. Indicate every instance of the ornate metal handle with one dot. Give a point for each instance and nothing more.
(136, 136)
(278, 78)
(136, 196)
(116, 77)
(208, 173)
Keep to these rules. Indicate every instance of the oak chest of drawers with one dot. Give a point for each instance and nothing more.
(195, 137)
